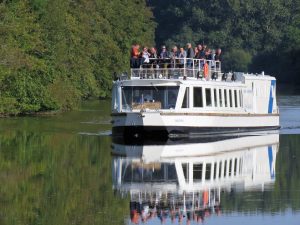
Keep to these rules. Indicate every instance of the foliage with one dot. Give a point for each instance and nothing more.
(236, 60)
(54, 53)
(268, 32)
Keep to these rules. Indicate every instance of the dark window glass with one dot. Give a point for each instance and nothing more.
(229, 168)
(185, 103)
(230, 98)
(198, 101)
(235, 98)
(215, 98)
(225, 98)
(208, 97)
(220, 98)
(235, 166)
(225, 168)
(185, 169)
(215, 170)
(197, 171)
(207, 171)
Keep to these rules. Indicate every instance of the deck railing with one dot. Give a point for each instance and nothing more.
(177, 67)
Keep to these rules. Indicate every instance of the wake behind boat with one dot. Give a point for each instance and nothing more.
(196, 99)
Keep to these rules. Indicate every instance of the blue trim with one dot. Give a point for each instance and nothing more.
(271, 98)
(270, 154)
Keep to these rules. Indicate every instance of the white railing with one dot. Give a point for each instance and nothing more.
(176, 68)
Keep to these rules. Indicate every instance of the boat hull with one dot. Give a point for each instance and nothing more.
(148, 125)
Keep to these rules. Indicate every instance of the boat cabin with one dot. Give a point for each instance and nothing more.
(186, 89)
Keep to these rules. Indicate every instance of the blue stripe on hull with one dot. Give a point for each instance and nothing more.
(271, 98)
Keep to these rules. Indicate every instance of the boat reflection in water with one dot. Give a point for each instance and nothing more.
(184, 181)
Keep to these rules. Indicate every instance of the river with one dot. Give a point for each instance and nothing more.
(64, 169)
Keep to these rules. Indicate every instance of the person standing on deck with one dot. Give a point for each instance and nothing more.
(164, 58)
(174, 55)
(218, 58)
(181, 56)
(134, 60)
(190, 55)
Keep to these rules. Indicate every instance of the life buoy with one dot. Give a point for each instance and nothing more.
(205, 70)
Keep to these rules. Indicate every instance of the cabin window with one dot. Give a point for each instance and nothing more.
(215, 170)
(235, 99)
(185, 103)
(225, 98)
(208, 97)
(225, 168)
(215, 98)
(207, 171)
(185, 168)
(197, 171)
(220, 98)
(235, 166)
(152, 97)
(230, 98)
(229, 168)
(220, 169)
(198, 101)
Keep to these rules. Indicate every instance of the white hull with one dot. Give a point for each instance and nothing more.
(201, 123)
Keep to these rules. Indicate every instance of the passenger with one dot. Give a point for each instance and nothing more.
(145, 57)
(164, 58)
(164, 53)
(181, 56)
(153, 57)
(134, 60)
(218, 54)
(208, 54)
(213, 54)
(195, 52)
(190, 55)
(218, 58)
(174, 55)
(199, 50)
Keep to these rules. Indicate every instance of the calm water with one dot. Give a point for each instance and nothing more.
(64, 169)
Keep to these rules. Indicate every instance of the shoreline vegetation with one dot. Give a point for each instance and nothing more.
(54, 54)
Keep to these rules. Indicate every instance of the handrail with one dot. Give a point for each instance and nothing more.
(177, 67)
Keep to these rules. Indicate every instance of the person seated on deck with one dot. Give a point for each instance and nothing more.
(135, 60)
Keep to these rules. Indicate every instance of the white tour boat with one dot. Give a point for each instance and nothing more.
(166, 101)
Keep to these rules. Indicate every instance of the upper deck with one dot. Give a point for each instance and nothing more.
(179, 69)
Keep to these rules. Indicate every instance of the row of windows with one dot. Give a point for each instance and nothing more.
(213, 171)
(213, 97)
